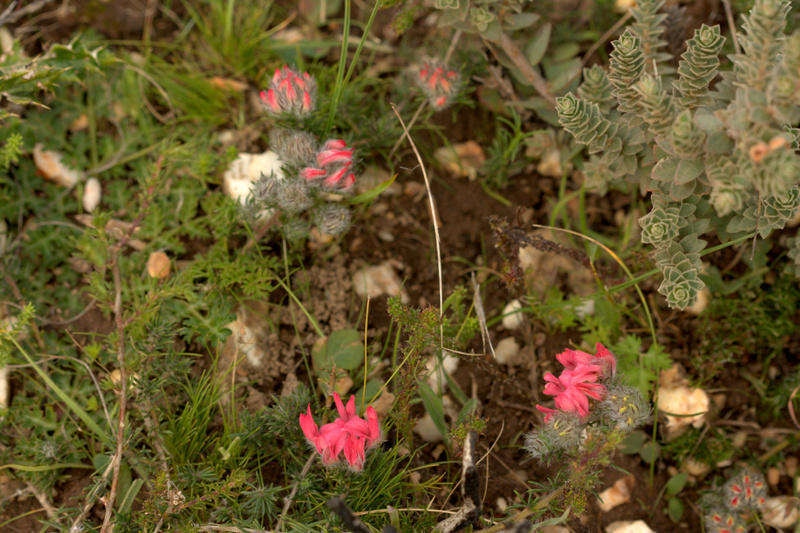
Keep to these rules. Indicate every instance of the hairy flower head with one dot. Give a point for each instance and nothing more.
(290, 92)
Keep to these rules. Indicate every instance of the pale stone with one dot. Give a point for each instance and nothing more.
(436, 378)
(555, 529)
(616, 494)
(506, 351)
(512, 315)
(374, 281)
(343, 385)
(50, 166)
(696, 468)
(158, 265)
(245, 341)
(683, 401)
(5, 390)
(791, 466)
(91, 194)
(383, 404)
(242, 174)
(773, 476)
(501, 504)
(621, 6)
(628, 526)
(427, 430)
(700, 304)
(677, 400)
(462, 159)
(781, 512)
(550, 164)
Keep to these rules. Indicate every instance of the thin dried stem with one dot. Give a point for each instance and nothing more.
(434, 218)
(289, 499)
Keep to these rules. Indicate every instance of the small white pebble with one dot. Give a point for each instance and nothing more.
(506, 351)
(512, 315)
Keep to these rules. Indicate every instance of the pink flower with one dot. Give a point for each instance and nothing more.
(348, 433)
(603, 362)
(548, 413)
(438, 82)
(335, 162)
(606, 358)
(573, 388)
(290, 92)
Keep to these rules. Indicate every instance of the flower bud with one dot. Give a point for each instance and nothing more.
(292, 196)
(332, 219)
(439, 83)
(290, 92)
(333, 170)
(293, 146)
(625, 407)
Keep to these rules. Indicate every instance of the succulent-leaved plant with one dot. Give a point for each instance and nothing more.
(722, 159)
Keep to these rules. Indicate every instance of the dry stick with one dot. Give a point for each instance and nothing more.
(731, 25)
(77, 525)
(43, 501)
(123, 396)
(521, 62)
(481, 315)
(435, 218)
(288, 501)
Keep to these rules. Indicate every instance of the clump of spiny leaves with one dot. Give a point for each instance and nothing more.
(722, 159)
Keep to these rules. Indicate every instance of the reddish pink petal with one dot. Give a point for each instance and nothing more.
(310, 173)
(306, 101)
(348, 181)
(374, 427)
(326, 157)
(272, 101)
(350, 408)
(548, 413)
(332, 180)
(339, 406)
(604, 355)
(311, 431)
(277, 75)
(334, 144)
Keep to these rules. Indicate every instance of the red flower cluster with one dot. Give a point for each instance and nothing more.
(290, 92)
(334, 166)
(348, 433)
(438, 82)
(579, 380)
(746, 490)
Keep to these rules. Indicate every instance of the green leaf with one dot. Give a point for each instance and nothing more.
(433, 405)
(565, 51)
(676, 484)
(675, 509)
(633, 442)
(369, 195)
(519, 21)
(561, 74)
(344, 349)
(537, 46)
(650, 452)
(677, 171)
(130, 496)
